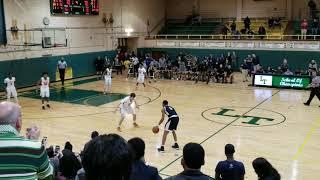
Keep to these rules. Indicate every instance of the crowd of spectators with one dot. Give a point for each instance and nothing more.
(104, 157)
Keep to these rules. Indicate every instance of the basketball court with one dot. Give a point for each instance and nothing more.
(260, 122)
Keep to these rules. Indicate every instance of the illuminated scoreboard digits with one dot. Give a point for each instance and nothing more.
(74, 7)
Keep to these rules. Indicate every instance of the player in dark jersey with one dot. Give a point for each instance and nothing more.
(171, 124)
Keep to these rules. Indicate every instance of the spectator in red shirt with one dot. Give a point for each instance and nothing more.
(304, 28)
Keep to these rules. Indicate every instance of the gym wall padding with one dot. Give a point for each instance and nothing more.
(29, 71)
(296, 59)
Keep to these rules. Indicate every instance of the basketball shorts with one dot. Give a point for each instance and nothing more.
(127, 111)
(107, 82)
(44, 92)
(140, 79)
(172, 124)
(11, 92)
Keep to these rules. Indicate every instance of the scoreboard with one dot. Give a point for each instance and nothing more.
(74, 7)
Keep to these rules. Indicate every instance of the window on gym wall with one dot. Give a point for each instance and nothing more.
(3, 37)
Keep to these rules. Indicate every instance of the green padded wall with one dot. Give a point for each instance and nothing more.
(296, 59)
(28, 71)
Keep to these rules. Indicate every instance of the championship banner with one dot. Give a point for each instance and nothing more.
(281, 81)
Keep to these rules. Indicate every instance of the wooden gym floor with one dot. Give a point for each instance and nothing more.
(260, 122)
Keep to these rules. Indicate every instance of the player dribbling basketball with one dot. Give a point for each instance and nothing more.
(44, 89)
(141, 76)
(171, 124)
(127, 107)
(11, 89)
(107, 80)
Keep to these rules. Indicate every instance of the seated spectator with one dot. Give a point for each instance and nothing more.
(247, 23)
(313, 68)
(262, 32)
(23, 152)
(271, 22)
(277, 21)
(259, 70)
(225, 30)
(279, 70)
(54, 159)
(228, 74)
(237, 35)
(250, 33)
(288, 73)
(141, 171)
(264, 170)
(94, 134)
(314, 27)
(229, 169)
(270, 70)
(69, 163)
(107, 157)
(233, 27)
(193, 159)
(220, 74)
(298, 72)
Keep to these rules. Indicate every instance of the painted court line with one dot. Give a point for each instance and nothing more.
(315, 125)
(224, 127)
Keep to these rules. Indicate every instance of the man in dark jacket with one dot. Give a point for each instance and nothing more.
(141, 171)
(193, 159)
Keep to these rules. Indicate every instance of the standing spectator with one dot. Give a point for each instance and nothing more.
(107, 157)
(304, 28)
(141, 171)
(233, 27)
(247, 23)
(23, 152)
(220, 74)
(54, 159)
(284, 66)
(228, 74)
(147, 62)
(277, 22)
(62, 65)
(313, 68)
(315, 89)
(234, 60)
(314, 27)
(94, 134)
(264, 170)
(193, 159)
(229, 169)
(255, 62)
(118, 64)
(262, 32)
(69, 163)
(244, 71)
(135, 61)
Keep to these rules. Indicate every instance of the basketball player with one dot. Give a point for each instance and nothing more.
(107, 80)
(44, 89)
(127, 106)
(171, 124)
(141, 75)
(11, 89)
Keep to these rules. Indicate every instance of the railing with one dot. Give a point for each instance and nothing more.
(237, 37)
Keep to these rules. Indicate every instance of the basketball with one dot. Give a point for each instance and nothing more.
(155, 129)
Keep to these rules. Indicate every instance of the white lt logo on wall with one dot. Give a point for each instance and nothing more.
(243, 116)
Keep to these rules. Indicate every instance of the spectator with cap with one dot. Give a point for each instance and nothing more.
(141, 171)
(229, 169)
(62, 65)
(24, 153)
(193, 159)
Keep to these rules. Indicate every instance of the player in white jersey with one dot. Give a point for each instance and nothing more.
(141, 75)
(10, 88)
(127, 107)
(44, 89)
(107, 75)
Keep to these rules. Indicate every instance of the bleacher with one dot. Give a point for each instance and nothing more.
(179, 27)
(275, 32)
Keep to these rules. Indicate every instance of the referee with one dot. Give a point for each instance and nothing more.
(315, 89)
(62, 65)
